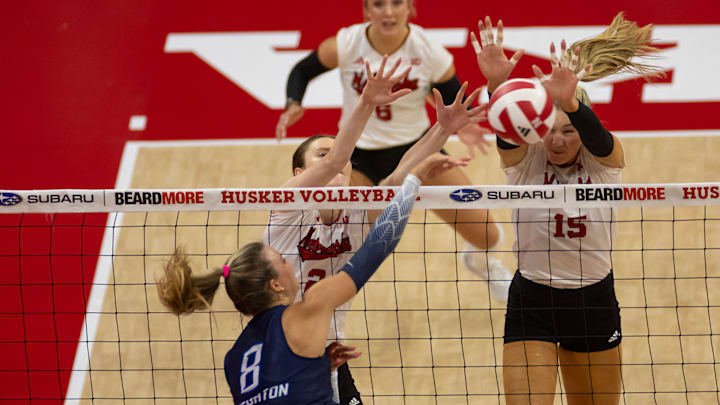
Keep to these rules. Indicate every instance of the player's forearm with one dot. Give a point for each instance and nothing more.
(301, 74)
(384, 235)
(593, 135)
(349, 133)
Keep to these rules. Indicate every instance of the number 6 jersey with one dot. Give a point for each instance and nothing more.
(317, 251)
(564, 247)
(261, 367)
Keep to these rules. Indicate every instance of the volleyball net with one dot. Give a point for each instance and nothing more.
(82, 322)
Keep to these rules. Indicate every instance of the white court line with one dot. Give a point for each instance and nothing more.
(125, 172)
(103, 270)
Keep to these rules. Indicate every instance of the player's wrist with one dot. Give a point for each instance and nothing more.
(291, 102)
(570, 106)
(493, 85)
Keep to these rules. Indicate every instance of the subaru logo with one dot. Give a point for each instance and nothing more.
(8, 199)
(466, 195)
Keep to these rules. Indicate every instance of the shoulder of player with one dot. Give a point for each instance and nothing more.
(614, 162)
(351, 33)
(421, 38)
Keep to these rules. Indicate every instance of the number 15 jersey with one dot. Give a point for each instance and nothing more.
(563, 247)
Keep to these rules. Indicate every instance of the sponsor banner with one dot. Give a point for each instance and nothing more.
(625, 195)
(449, 197)
(52, 201)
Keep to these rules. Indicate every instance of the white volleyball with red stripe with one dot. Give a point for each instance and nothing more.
(521, 112)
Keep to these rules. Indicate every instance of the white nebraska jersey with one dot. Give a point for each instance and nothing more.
(404, 120)
(317, 251)
(563, 248)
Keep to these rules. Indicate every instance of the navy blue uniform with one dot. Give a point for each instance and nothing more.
(262, 369)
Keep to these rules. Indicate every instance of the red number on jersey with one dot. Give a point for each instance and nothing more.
(319, 273)
(383, 112)
(577, 228)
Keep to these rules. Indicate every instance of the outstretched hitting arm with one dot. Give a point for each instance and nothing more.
(306, 323)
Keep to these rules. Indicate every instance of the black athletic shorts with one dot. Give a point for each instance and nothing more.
(581, 320)
(349, 394)
(377, 164)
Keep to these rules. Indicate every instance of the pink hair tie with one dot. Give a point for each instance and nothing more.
(226, 271)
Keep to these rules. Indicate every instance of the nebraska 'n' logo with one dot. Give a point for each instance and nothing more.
(312, 249)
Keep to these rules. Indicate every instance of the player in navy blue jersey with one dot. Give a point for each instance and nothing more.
(281, 356)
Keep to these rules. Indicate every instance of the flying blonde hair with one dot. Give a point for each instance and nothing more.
(616, 50)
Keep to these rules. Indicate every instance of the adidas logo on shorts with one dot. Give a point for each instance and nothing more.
(354, 401)
(614, 337)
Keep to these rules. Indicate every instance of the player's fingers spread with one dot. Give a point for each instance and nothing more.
(553, 57)
(460, 93)
(472, 97)
(478, 110)
(402, 76)
(516, 56)
(382, 67)
(475, 43)
(394, 69)
(400, 93)
(538, 73)
(484, 38)
(581, 74)
(499, 41)
(489, 29)
(574, 60)
(368, 72)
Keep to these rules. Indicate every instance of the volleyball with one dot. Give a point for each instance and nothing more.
(521, 112)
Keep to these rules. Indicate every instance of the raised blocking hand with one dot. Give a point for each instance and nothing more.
(562, 80)
(378, 89)
(493, 63)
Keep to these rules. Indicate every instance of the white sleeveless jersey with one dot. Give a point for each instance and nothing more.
(563, 248)
(404, 120)
(317, 251)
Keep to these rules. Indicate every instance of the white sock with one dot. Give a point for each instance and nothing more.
(335, 388)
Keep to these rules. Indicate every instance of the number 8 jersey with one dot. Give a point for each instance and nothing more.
(405, 119)
(563, 247)
(317, 251)
(261, 355)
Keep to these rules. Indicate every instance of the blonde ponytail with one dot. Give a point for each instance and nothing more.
(613, 50)
(181, 291)
(247, 282)
(616, 50)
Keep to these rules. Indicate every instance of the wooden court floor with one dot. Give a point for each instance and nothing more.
(428, 331)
